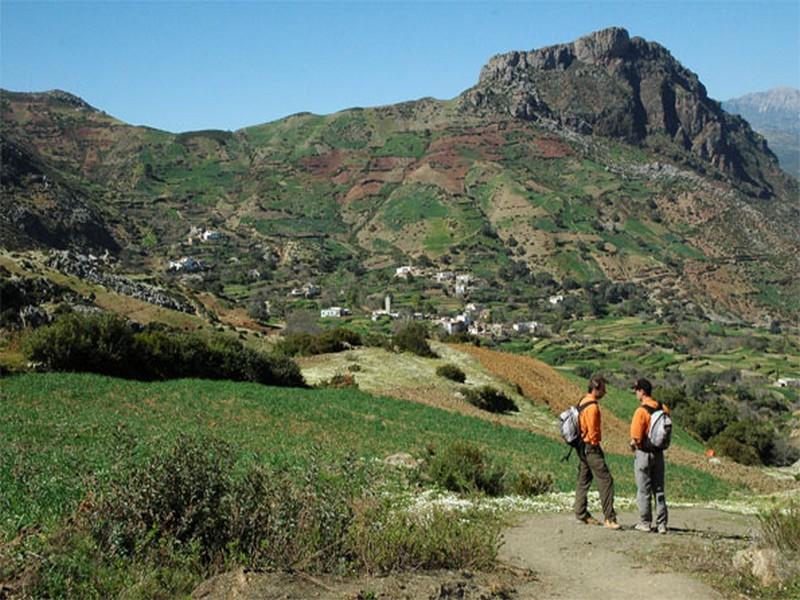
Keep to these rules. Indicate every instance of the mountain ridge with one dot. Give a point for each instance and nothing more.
(775, 114)
(464, 182)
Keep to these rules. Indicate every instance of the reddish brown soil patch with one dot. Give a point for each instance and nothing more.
(323, 165)
(235, 317)
(552, 148)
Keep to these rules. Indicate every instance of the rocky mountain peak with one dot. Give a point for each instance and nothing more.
(609, 84)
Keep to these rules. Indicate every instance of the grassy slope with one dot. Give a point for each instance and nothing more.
(61, 431)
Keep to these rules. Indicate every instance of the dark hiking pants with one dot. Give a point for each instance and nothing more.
(592, 465)
(648, 468)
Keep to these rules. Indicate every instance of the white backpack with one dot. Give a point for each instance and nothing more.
(570, 426)
(659, 435)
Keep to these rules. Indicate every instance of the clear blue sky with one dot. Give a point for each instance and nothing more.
(181, 66)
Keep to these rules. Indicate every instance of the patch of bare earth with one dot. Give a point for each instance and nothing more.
(505, 583)
(235, 317)
(573, 560)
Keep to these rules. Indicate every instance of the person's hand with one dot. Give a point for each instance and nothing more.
(633, 446)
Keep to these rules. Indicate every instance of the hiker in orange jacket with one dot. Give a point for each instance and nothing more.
(648, 463)
(592, 460)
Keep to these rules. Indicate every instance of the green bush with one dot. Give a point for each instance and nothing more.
(463, 467)
(97, 343)
(531, 483)
(585, 371)
(490, 399)
(451, 372)
(746, 441)
(194, 510)
(413, 337)
(780, 529)
(179, 496)
(107, 345)
(306, 344)
(385, 538)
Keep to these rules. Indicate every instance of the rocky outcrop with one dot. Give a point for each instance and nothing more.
(39, 208)
(609, 84)
(92, 269)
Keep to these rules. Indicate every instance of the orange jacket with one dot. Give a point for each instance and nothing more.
(640, 424)
(589, 420)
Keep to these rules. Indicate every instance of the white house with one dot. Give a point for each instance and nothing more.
(787, 382)
(444, 276)
(186, 263)
(453, 325)
(334, 312)
(309, 290)
(557, 299)
(209, 236)
(533, 327)
(405, 271)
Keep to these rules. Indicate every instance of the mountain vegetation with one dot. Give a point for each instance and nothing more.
(599, 160)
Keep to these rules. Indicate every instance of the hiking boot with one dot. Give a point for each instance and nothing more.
(642, 527)
(611, 524)
(589, 520)
(662, 528)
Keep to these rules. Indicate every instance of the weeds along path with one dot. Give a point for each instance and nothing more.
(542, 384)
(572, 560)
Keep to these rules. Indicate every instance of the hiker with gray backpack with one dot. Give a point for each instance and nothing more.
(651, 433)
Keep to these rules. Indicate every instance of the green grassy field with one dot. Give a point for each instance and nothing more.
(65, 433)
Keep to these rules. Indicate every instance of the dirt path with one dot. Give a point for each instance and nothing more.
(573, 561)
(545, 557)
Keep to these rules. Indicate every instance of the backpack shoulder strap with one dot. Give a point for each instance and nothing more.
(650, 409)
(582, 406)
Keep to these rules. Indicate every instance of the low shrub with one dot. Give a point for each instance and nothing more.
(96, 343)
(191, 511)
(451, 372)
(107, 344)
(780, 529)
(585, 371)
(340, 380)
(332, 340)
(747, 441)
(490, 399)
(531, 483)
(384, 538)
(179, 496)
(461, 337)
(463, 467)
(413, 337)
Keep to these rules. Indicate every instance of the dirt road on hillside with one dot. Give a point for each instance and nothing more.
(545, 557)
(572, 560)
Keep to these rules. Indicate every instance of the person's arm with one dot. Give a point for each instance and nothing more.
(591, 416)
(638, 428)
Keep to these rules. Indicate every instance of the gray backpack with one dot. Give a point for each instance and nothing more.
(659, 435)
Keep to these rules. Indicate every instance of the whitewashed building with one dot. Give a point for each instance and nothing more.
(335, 312)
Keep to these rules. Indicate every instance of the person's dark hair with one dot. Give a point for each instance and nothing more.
(596, 382)
(644, 385)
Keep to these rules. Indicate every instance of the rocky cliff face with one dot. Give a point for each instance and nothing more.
(612, 85)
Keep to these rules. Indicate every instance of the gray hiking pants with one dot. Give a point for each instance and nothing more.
(591, 465)
(648, 469)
